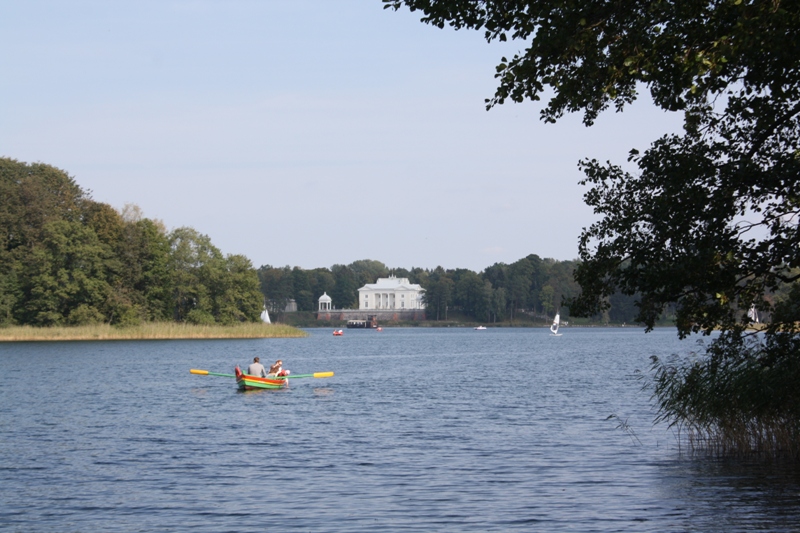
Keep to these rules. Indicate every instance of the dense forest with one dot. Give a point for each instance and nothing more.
(531, 286)
(66, 259)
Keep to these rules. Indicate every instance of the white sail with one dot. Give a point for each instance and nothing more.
(554, 327)
(753, 314)
(265, 316)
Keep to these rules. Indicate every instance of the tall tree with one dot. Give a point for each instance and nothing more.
(484, 310)
(438, 293)
(368, 271)
(144, 249)
(237, 294)
(537, 280)
(195, 265)
(497, 274)
(547, 299)
(519, 285)
(468, 292)
(322, 282)
(561, 276)
(675, 231)
(345, 293)
(34, 194)
(499, 303)
(66, 259)
(709, 222)
(276, 285)
(302, 290)
(65, 280)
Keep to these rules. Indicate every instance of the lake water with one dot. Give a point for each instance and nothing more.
(419, 430)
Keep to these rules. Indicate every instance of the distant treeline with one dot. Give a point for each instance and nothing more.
(531, 285)
(68, 260)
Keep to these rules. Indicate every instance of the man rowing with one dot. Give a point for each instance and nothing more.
(257, 369)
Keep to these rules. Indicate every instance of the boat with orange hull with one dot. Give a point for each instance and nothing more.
(247, 382)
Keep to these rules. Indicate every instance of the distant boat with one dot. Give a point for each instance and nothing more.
(554, 328)
(752, 314)
(338, 333)
(370, 322)
(480, 327)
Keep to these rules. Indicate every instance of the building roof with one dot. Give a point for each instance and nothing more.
(325, 297)
(392, 284)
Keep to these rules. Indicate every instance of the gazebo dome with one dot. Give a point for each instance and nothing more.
(325, 302)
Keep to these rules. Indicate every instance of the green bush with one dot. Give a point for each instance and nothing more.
(200, 317)
(84, 315)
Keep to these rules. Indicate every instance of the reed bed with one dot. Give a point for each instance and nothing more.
(738, 399)
(149, 331)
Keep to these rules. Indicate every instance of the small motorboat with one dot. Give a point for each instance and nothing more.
(480, 327)
(338, 333)
(247, 382)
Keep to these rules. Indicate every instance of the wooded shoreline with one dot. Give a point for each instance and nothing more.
(149, 331)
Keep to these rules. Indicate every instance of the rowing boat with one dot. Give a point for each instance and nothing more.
(247, 382)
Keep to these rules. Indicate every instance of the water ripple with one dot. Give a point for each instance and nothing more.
(420, 430)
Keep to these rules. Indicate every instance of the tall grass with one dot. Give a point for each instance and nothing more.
(151, 330)
(739, 399)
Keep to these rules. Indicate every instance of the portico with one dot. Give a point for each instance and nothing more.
(391, 293)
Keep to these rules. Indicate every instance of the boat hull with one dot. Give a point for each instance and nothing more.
(246, 382)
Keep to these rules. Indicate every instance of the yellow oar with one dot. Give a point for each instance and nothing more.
(315, 375)
(207, 373)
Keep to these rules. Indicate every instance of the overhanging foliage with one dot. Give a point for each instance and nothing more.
(709, 222)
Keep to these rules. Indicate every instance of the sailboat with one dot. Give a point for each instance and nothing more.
(554, 328)
(752, 314)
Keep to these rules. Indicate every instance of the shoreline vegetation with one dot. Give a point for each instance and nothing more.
(306, 319)
(181, 331)
(150, 331)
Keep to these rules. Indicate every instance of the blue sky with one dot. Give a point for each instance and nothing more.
(299, 132)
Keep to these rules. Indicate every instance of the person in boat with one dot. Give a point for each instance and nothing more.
(277, 369)
(257, 369)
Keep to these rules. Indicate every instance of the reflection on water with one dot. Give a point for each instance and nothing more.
(410, 434)
(736, 496)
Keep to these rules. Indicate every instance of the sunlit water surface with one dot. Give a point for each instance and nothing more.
(419, 430)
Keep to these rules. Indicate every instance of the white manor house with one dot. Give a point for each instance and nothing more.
(391, 293)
